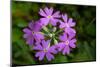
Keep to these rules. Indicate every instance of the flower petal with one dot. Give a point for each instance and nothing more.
(60, 46)
(70, 30)
(38, 36)
(26, 35)
(35, 27)
(54, 21)
(50, 11)
(71, 23)
(38, 47)
(47, 11)
(44, 21)
(38, 54)
(73, 40)
(65, 18)
(62, 24)
(72, 43)
(71, 35)
(45, 43)
(49, 56)
(52, 49)
(30, 41)
(42, 13)
(26, 30)
(41, 56)
(63, 37)
(66, 50)
(31, 25)
(56, 14)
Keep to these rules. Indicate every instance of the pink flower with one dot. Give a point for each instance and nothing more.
(65, 44)
(67, 25)
(49, 16)
(32, 33)
(44, 49)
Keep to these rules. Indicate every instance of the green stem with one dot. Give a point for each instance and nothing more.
(45, 29)
(58, 31)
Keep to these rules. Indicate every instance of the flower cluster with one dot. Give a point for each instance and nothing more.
(51, 34)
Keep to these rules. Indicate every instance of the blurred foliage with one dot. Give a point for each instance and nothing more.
(85, 17)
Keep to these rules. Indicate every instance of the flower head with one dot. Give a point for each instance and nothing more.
(67, 25)
(42, 32)
(49, 16)
(44, 49)
(33, 33)
(65, 44)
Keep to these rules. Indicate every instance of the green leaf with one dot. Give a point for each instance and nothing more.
(16, 35)
(21, 23)
(91, 29)
(84, 53)
(22, 53)
(35, 7)
(59, 58)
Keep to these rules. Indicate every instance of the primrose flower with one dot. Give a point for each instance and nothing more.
(67, 25)
(49, 16)
(51, 34)
(33, 33)
(65, 44)
(44, 49)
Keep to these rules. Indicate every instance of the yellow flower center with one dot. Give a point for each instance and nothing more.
(45, 50)
(49, 16)
(67, 42)
(32, 32)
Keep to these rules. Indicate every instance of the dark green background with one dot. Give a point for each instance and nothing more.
(85, 17)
